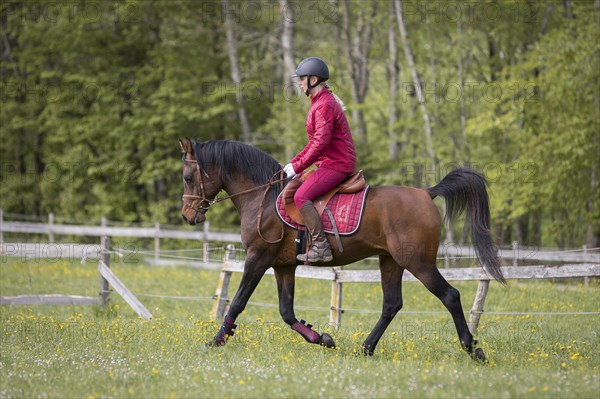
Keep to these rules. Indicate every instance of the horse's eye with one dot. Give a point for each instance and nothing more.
(188, 178)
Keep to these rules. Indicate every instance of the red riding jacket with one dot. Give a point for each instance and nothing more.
(330, 143)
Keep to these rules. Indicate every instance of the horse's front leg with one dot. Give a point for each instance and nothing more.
(286, 280)
(254, 270)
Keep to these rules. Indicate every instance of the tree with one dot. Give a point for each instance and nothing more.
(356, 49)
(393, 71)
(408, 55)
(235, 71)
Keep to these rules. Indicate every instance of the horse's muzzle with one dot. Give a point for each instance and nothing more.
(194, 217)
(190, 222)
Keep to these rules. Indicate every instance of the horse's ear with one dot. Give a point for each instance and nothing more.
(186, 146)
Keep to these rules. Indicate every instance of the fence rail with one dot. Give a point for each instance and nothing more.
(113, 231)
(70, 300)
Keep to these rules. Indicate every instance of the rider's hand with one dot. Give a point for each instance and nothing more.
(289, 170)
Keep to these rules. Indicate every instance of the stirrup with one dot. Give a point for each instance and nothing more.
(316, 254)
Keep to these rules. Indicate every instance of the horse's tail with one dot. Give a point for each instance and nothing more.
(464, 188)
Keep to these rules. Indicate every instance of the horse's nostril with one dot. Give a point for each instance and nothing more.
(188, 221)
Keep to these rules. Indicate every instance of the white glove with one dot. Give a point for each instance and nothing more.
(289, 170)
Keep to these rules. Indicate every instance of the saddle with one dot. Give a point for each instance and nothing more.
(353, 184)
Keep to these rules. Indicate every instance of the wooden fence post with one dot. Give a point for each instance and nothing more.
(104, 287)
(103, 223)
(1, 226)
(205, 253)
(156, 241)
(50, 223)
(586, 280)
(220, 298)
(205, 230)
(477, 308)
(335, 312)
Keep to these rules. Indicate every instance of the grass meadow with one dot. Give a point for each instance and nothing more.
(92, 352)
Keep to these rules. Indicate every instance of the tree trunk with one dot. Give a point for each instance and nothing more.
(289, 67)
(463, 148)
(417, 83)
(536, 226)
(357, 49)
(591, 239)
(235, 71)
(495, 65)
(287, 42)
(393, 72)
(568, 9)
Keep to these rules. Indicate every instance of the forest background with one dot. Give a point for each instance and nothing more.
(95, 95)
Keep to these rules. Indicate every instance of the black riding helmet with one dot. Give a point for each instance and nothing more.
(312, 66)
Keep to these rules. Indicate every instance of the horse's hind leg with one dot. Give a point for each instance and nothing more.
(391, 283)
(450, 297)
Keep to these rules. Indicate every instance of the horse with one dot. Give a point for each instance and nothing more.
(400, 225)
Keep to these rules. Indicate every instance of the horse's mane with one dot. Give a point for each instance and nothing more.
(234, 159)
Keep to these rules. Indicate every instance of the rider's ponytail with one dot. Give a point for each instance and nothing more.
(339, 100)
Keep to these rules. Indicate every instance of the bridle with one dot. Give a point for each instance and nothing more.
(189, 199)
(200, 192)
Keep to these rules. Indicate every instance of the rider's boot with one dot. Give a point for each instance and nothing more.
(319, 251)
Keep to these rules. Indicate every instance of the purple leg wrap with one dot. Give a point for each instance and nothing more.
(225, 331)
(307, 332)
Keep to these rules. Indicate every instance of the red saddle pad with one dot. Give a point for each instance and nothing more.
(347, 210)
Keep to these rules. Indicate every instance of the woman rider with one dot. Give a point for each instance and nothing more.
(330, 147)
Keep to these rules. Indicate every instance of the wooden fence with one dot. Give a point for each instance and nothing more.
(338, 277)
(108, 279)
(447, 251)
(579, 263)
(52, 229)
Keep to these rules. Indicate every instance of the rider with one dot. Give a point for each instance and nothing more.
(330, 147)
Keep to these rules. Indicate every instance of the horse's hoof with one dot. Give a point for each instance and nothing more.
(479, 355)
(212, 344)
(216, 342)
(367, 351)
(326, 341)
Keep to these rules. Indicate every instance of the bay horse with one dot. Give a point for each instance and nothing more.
(400, 225)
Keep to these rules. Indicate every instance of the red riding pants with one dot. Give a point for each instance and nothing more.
(317, 184)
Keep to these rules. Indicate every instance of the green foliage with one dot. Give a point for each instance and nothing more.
(96, 95)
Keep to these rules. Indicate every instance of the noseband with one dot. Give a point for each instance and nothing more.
(188, 199)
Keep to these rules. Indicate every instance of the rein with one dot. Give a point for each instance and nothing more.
(210, 202)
